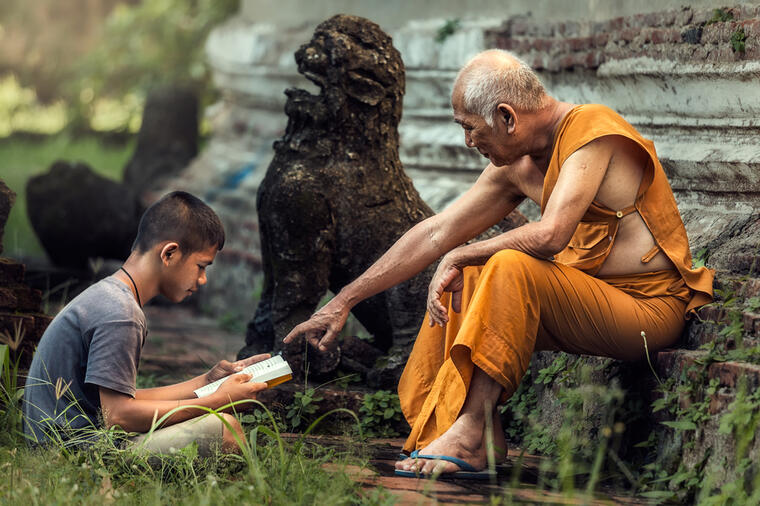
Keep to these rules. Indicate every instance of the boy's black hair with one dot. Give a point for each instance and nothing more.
(181, 217)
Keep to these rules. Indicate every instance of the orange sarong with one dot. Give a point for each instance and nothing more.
(517, 304)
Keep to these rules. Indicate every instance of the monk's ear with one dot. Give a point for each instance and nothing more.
(506, 116)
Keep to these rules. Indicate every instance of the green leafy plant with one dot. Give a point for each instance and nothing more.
(305, 405)
(720, 16)
(258, 416)
(449, 28)
(379, 413)
(700, 259)
(738, 39)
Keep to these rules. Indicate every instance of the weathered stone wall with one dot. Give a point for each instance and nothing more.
(686, 80)
(671, 74)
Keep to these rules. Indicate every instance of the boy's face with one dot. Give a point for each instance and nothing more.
(185, 273)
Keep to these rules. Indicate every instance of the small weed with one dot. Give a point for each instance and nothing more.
(305, 405)
(700, 259)
(258, 417)
(10, 396)
(379, 413)
(737, 40)
(449, 28)
(720, 16)
(344, 380)
(13, 340)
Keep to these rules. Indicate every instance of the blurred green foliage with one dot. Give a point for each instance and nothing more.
(101, 57)
(153, 43)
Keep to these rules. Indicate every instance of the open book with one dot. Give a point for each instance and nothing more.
(273, 371)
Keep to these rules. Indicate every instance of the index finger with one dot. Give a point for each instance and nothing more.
(297, 330)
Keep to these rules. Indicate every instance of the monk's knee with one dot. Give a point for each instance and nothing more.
(510, 258)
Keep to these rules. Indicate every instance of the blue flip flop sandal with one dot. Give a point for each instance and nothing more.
(467, 471)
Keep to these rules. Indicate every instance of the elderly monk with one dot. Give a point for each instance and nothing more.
(608, 259)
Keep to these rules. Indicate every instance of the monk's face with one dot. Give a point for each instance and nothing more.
(492, 142)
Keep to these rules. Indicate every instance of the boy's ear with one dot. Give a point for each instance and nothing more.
(170, 253)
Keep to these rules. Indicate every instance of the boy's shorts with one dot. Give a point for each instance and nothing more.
(206, 430)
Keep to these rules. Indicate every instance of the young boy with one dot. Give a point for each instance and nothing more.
(87, 359)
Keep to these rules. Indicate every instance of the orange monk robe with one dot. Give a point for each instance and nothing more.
(517, 304)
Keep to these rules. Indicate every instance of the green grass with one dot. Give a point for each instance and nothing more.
(113, 476)
(269, 470)
(22, 158)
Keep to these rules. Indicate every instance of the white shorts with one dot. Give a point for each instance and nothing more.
(206, 430)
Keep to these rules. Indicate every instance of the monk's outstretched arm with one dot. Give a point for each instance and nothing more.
(490, 199)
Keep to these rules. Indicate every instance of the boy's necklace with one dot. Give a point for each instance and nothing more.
(137, 293)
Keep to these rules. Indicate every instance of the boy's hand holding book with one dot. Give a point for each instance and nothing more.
(224, 368)
(271, 372)
(239, 387)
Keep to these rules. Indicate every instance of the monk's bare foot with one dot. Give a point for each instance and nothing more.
(464, 440)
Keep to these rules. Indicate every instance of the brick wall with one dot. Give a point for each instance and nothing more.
(684, 35)
(20, 305)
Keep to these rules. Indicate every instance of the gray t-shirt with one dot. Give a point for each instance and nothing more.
(95, 341)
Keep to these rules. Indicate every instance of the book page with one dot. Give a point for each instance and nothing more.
(267, 370)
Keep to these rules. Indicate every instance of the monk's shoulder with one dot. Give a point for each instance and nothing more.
(587, 125)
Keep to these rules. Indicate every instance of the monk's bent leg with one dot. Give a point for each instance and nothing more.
(515, 298)
(431, 349)
(495, 332)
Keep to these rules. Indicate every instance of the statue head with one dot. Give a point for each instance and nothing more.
(357, 69)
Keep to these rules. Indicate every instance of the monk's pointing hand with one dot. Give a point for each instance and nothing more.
(323, 327)
(447, 278)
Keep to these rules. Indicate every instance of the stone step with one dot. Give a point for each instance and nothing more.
(10, 272)
(712, 319)
(731, 375)
(32, 325)
(20, 297)
(700, 333)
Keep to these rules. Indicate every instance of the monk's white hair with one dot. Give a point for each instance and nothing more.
(486, 85)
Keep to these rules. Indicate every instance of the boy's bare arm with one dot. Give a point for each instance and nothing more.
(186, 389)
(137, 415)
